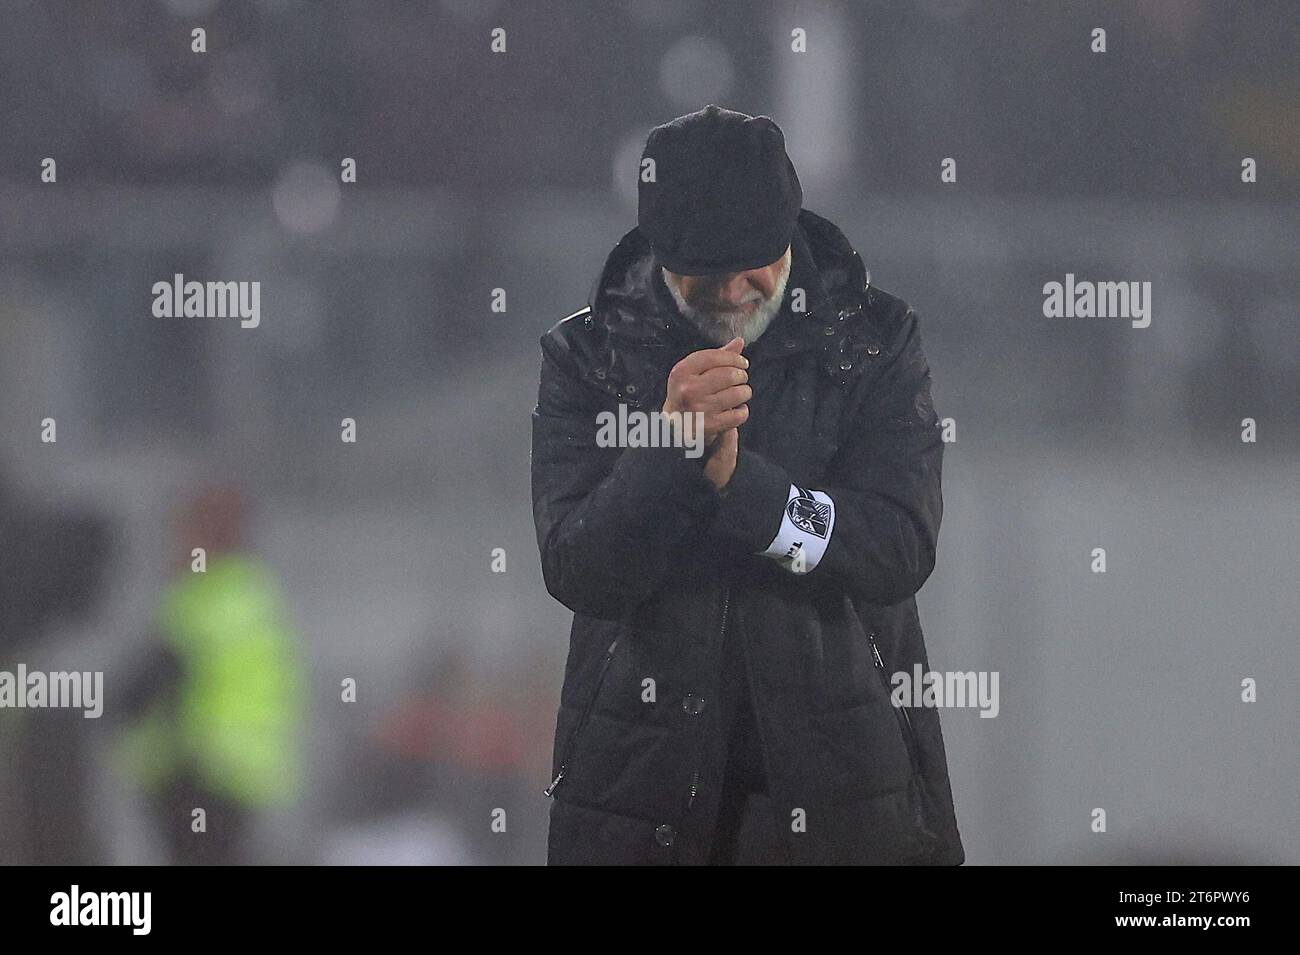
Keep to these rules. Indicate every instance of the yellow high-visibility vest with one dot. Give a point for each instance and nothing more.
(236, 721)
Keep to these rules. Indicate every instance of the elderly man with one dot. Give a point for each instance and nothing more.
(738, 613)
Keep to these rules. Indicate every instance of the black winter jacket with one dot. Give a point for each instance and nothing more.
(657, 565)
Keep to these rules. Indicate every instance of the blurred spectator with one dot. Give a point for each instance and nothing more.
(217, 698)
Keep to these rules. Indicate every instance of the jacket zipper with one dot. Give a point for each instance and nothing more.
(582, 722)
(905, 719)
(722, 633)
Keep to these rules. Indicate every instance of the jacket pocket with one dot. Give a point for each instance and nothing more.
(900, 712)
(569, 744)
(928, 841)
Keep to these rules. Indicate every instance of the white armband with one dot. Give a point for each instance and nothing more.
(806, 526)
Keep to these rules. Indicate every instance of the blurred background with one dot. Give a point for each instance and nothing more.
(398, 687)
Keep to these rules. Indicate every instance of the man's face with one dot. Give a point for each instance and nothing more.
(734, 303)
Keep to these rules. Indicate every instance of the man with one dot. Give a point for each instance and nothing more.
(215, 703)
(738, 614)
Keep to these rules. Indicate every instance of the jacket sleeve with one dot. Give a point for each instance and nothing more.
(611, 523)
(882, 489)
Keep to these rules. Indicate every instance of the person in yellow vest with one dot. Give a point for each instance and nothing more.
(219, 697)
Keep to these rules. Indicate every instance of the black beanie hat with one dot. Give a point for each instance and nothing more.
(725, 196)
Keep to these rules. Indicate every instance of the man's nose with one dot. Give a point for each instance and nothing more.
(736, 290)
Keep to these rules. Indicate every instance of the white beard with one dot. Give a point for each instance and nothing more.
(723, 326)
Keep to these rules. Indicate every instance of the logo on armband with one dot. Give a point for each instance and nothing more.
(809, 514)
(807, 524)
